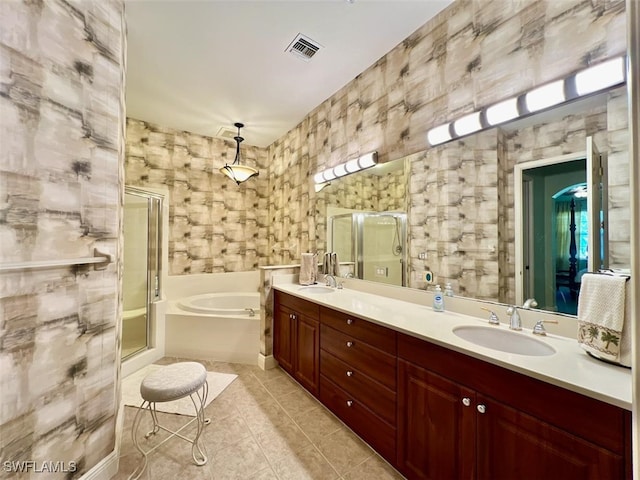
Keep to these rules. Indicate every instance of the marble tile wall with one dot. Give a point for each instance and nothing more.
(215, 225)
(62, 70)
(454, 216)
(473, 54)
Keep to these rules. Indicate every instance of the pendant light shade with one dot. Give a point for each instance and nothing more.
(236, 172)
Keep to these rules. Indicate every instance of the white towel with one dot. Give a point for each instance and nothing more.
(308, 269)
(602, 307)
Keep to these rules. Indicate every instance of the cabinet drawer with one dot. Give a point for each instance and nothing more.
(378, 398)
(360, 355)
(375, 335)
(296, 304)
(360, 419)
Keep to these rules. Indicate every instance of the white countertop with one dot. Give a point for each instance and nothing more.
(570, 367)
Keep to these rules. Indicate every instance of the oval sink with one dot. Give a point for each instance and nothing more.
(316, 289)
(503, 340)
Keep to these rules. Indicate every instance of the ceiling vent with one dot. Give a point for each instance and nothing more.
(226, 132)
(303, 47)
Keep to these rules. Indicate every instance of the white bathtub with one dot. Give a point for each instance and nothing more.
(215, 326)
(223, 304)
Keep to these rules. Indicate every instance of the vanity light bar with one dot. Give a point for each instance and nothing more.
(585, 82)
(363, 162)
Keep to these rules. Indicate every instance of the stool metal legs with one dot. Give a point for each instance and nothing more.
(198, 454)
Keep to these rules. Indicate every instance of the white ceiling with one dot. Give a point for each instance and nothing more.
(202, 65)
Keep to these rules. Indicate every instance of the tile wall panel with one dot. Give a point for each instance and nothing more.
(62, 132)
(214, 225)
(471, 55)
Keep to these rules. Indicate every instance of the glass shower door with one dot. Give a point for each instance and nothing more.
(141, 273)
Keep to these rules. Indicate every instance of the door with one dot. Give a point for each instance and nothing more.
(597, 207)
(307, 352)
(436, 433)
(512, 444)
(283, 329)
(142, 265)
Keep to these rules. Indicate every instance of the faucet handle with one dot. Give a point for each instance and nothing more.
(493, 318)
(538, 328)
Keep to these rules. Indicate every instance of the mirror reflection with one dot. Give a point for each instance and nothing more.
(462, 216)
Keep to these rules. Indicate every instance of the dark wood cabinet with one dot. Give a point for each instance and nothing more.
(434, 413)
(296, 336)
(358, 377)
(436, 425)
(512, 444)
(463, 418)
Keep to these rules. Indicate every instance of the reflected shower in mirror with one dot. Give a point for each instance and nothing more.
(460, 196)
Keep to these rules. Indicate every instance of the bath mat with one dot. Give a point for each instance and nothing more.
(131, 391)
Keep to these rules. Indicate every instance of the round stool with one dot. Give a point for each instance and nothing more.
(173, 382)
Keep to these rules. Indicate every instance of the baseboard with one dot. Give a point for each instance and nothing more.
(267, 362)
(106, 469)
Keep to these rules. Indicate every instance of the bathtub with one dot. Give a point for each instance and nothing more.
(223, 304)
(215, 326)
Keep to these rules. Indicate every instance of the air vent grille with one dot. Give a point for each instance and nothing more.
(225, 132)
(303, 47)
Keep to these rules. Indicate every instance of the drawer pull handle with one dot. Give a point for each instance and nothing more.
(349, 321)
(349, 344)
(349, 373)
(466, 401)
(482, 408)
(349, 403)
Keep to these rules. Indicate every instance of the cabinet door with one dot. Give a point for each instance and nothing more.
(512, 444)
(436, 430)
(307, 353)
(283, 329)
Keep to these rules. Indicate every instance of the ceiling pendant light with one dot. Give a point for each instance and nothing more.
(236, 172)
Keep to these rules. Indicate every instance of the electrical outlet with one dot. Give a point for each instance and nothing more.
(422, 256)
(382, 272)
(428, 277)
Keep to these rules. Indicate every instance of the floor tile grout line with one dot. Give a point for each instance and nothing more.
(313, 444)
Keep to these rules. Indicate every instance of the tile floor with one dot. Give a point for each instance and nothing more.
(264, 426)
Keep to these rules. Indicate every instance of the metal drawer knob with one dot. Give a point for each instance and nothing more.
(349, 321)
(482, 408)
(349, 344)
(466, 401)
(349, 373)
(349, 403)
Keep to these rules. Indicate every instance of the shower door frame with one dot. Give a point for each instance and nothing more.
(357, 236)
(155, 205)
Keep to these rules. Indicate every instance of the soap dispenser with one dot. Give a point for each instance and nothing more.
(438, 300)
(448, 290)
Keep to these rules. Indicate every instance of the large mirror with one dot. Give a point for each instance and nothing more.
(462, 216)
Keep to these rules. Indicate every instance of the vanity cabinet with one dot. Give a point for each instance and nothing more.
(434, 413)
(358, 374)
(459, 417)
(296, 340)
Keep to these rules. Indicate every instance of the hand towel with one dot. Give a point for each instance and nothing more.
(308, 269)
(602, 306)
(326, 264)
(335, 265)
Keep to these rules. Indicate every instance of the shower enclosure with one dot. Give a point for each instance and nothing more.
(141, 273)
(371, 245)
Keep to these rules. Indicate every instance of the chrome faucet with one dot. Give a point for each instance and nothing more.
(529, 303)
(331, 280)
(515, 323)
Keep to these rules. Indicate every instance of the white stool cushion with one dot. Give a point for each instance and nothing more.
(173, 382)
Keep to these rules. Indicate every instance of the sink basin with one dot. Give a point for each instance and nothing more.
(503, 340)
(316, 289)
